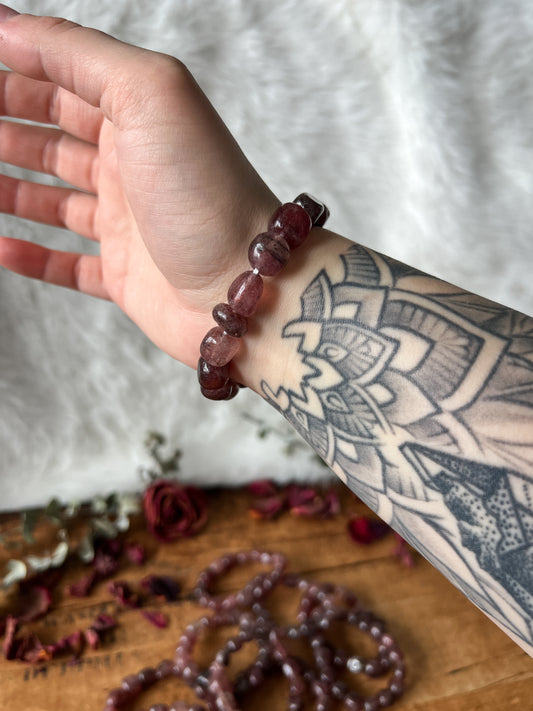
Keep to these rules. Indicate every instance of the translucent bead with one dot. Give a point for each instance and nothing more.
(316, 210)
(218, 347)
(210, 376)
(228, 319)
(268, 253)
(226, 392)
(245, 292)
(292, 222)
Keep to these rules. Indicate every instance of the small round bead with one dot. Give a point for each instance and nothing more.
(147, 677)
(158, 707)
(232, 322)
(292, 222)
(385, 698)
(210, 376)
(118, 698)
(218, 347)
(268, 253)
(245, 292)
(132, 684)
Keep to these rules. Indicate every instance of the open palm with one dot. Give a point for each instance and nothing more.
(152, 174)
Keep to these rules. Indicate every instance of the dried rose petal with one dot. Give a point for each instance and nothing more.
(268, 507)
(403, 551)
(306, 501)
(9, 645)
(83, 586)
(262, 488)
(135, 553)
(123, 593)
(162, 586)
(158, 619)
(71, 643)
(33, 602)
(103, 623)
(31, 649)
(365, 530)
(92, 638)
(173, 511)
(106, 558)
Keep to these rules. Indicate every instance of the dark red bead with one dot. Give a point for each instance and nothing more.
(316, 210)
(245, 292)
(232, 322)
(218, 347)
(292, 222)
(210, 376)
(226, 392)
(268, 253)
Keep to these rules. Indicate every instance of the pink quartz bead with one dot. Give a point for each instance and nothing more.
(218, 347)
(316, 210)
(210, 376)
(268, 253)
(245, 292)
(292, 222)
(232, 322)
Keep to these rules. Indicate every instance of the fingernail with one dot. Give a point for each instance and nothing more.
(7, 12)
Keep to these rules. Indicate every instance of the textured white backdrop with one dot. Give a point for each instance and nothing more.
(413, 120)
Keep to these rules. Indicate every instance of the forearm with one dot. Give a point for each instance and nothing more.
(419, 396)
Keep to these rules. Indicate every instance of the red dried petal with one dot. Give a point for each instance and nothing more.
(262, 488)
(135, 553)
(158, 619)
(365, 530)
(162, 586)
(267, 507)
(33, 602)
(9, 645)
(31, 649)
(83, 586)
(124, 594)
(300, 496)
(103, 623)
(403, 552)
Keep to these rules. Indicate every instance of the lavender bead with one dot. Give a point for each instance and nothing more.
(268, 253)
(245, 292)
(218, 347)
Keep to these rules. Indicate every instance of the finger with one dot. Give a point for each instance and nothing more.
(44, 102)
(48, 204)
(82, 272)
(101, 70)
(49, 150)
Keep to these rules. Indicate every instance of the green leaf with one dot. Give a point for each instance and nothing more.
(29, 521)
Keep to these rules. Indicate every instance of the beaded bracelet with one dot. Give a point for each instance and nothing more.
(268, 253)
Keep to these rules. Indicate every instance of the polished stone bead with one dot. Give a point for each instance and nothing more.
(218, 347)
(232, 322)
(245, 292)
(226, 392)
(268, 253)
(210, 376)
(292, 222)
(316, 210)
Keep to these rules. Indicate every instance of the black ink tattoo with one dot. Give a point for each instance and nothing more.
(420, 396)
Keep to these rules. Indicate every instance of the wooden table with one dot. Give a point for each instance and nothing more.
(457, 659)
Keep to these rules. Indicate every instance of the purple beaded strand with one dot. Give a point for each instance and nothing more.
(268, 253)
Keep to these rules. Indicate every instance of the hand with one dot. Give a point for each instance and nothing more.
(155, 177)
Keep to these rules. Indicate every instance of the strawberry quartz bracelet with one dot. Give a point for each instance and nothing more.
(268, 253)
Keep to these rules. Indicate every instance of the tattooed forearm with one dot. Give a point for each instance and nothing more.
(420, 396)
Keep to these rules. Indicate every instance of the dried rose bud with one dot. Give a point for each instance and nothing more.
(162, 586)
(158, 619)
(365, 530)
(173, 511)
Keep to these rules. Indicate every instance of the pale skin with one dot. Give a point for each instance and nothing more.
(416, 393)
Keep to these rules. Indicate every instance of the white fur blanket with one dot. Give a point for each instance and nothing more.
(412, 119)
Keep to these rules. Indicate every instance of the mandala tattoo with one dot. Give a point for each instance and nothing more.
(420, 396)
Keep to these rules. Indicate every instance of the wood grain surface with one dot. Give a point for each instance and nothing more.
(457, 659)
